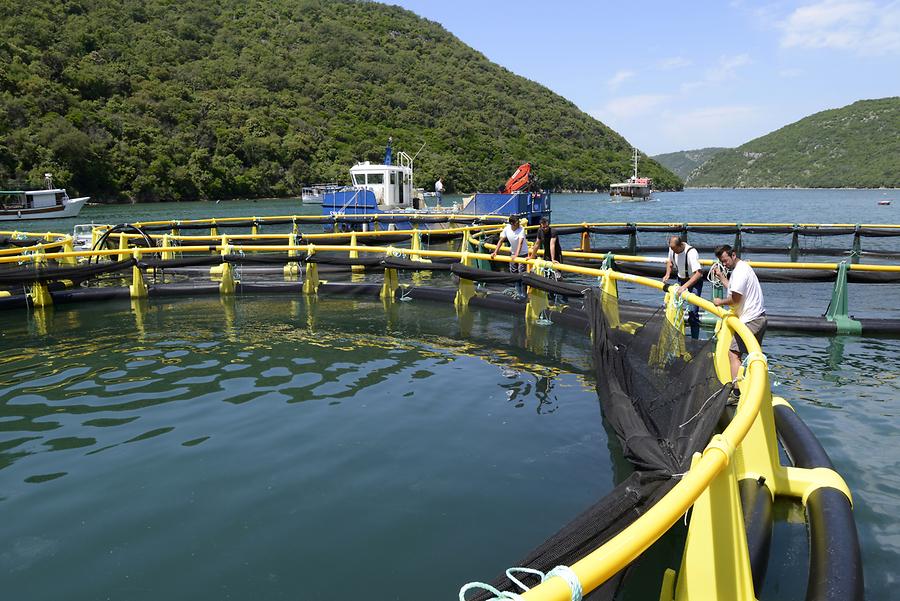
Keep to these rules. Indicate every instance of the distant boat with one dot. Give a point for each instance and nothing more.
(315, 194)
(51, 203)
(884, 202)
(635, 187)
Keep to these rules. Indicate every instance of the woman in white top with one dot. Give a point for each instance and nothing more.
(518, 247)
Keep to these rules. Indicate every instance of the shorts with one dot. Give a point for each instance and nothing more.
(758, 327)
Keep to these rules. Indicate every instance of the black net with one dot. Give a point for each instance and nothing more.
(38, 273)
(189, 261)
(554, 285)
(410, 265)
(662, 399)
(19, 242)
(485, 275)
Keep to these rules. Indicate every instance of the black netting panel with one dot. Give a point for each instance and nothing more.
(371, 261)
(660, 395)
(713, 229)
(410, 265)
(554, 286)
(767, 274)
(674, 229)
(19, 242)
(562, 231)
(765, 229)
(197, 261)
(612, 229)
(264, 259)
(875, 232)
(485, 275)
(33, 274)
(831, 231)
(872, 277)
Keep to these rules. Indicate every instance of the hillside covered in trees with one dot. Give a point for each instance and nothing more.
(855, 146)
(149, 100)
(684, 162)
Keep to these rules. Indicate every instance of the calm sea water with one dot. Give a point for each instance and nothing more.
(265, 448)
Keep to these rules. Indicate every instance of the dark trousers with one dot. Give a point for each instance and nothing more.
(693, 314)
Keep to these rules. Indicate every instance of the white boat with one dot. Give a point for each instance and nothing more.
(313, 195)
(52, 203)
(635, 187)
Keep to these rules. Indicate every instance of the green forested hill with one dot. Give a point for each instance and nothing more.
(684, 162)
(854, 146)
(165, 100)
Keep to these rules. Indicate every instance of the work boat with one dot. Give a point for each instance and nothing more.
(635, 187)
(51, 203)
(385, 194)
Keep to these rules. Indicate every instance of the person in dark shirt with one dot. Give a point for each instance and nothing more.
(549, 241)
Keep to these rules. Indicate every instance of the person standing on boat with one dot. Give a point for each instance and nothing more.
(439, 190)
(745, 297)
(518, 247)
(685, 260)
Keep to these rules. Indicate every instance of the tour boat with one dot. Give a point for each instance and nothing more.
(51, 203)
(635, 187)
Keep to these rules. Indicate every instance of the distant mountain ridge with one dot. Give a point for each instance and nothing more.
(157, 100)
(856, 146)
(685, 162)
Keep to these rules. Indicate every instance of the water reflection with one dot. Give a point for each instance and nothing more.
(75, 371)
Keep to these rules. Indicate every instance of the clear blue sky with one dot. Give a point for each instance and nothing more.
(681, 75)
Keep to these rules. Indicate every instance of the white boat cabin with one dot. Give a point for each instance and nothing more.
(33, 199)
(392, 185)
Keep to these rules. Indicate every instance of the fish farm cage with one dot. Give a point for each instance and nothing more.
(702, 446)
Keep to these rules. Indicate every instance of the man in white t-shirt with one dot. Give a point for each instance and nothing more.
(439, 190)
(685, 259)
(518, 247)
(745, 297)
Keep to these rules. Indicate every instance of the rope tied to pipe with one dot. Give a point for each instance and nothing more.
(564, 572)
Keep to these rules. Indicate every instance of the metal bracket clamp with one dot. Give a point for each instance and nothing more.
(722, 444)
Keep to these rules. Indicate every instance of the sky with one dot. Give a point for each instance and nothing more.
(672, 76)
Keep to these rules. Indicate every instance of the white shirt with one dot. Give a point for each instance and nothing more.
(690, 256)
(513, 237)
(438, 186)
(743, 280)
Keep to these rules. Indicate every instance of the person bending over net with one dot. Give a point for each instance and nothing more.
(686, 261)
(518, 247)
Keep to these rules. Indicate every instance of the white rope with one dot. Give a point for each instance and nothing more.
(712, 277)
(498, 595)
(699, 411)
(746, 363)
(500, 208)
(567, 574)
(564, 572)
